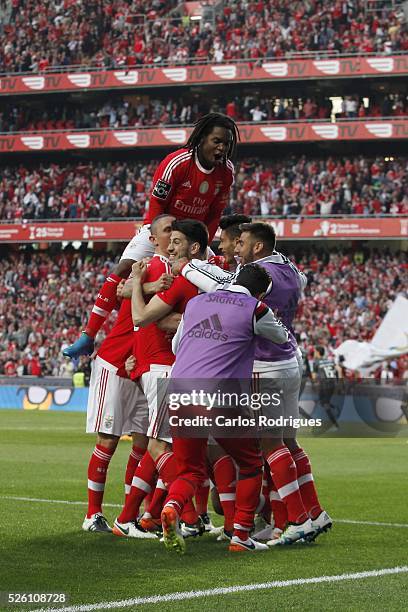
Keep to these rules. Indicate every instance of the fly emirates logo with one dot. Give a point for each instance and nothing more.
(198, 207)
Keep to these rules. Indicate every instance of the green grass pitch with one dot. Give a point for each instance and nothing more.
(43, 548)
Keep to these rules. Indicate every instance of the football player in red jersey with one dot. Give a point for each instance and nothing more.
(191, 183)
(115, 404)
(154, 358)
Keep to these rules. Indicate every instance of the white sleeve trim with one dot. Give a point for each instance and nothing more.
(207, 277)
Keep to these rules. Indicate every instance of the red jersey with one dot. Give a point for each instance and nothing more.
(180, 292)
(183, 188)
(150, 343)
(118, 344)
(219, 260)
(154, 347)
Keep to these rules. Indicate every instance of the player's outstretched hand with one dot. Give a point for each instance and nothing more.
(130, 364)
(163, 283)
(177, 265)
(138, 269)
(127, 288)
(119, 290)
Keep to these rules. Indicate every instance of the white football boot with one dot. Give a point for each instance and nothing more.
(293, 533)
(97, 522)
(131, 530)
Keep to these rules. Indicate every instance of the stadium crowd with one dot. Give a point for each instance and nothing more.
(138, 111)
(36, 37)
(43, 301)
(45, 298)
(347, 296)
(292, 187)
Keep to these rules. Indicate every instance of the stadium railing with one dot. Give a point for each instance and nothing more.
(192, 61)
(273, 121)
(25, 221)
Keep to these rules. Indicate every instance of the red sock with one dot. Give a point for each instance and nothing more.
(225, 475)
(306, 483)
(157, 501)
(247, 492)
(166, 466)
(148, 498)
(97, 472)
(279, 512)
(284, 475)
(189, 514)
(142, 483)
(201, 497)
(135, 456)
(180, 492)
(264, 505)
(105, 302)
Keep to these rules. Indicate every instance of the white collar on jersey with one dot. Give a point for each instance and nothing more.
(236, 289)
(274, 257)
(201, 168)
(162, 257)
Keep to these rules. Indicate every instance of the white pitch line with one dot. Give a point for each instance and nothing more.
(184, 595)
(55, 501)
(349, 521)
(83, 503)
(26, 428)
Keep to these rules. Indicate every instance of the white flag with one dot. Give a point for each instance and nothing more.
(389, 341)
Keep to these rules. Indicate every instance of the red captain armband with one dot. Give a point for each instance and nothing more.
(219, 260)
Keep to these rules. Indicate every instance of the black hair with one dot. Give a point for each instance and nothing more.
(194, 230)
(255, 278)
(231, 224)
(206, 124)
(156, 219)
(262, 232)
(320, 350)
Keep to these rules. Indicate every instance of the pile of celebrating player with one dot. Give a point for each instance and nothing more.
(186, 315)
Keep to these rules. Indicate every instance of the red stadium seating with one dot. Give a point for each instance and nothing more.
(118, 33)
(295, 186)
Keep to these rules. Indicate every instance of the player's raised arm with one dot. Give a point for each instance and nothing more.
(207, 277)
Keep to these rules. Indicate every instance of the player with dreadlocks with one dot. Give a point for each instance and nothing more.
(190, 183)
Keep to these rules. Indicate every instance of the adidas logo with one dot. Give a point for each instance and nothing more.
(209, 329)
(186, 184)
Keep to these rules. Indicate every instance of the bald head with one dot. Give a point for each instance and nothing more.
(159, 222)
(160, 230)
